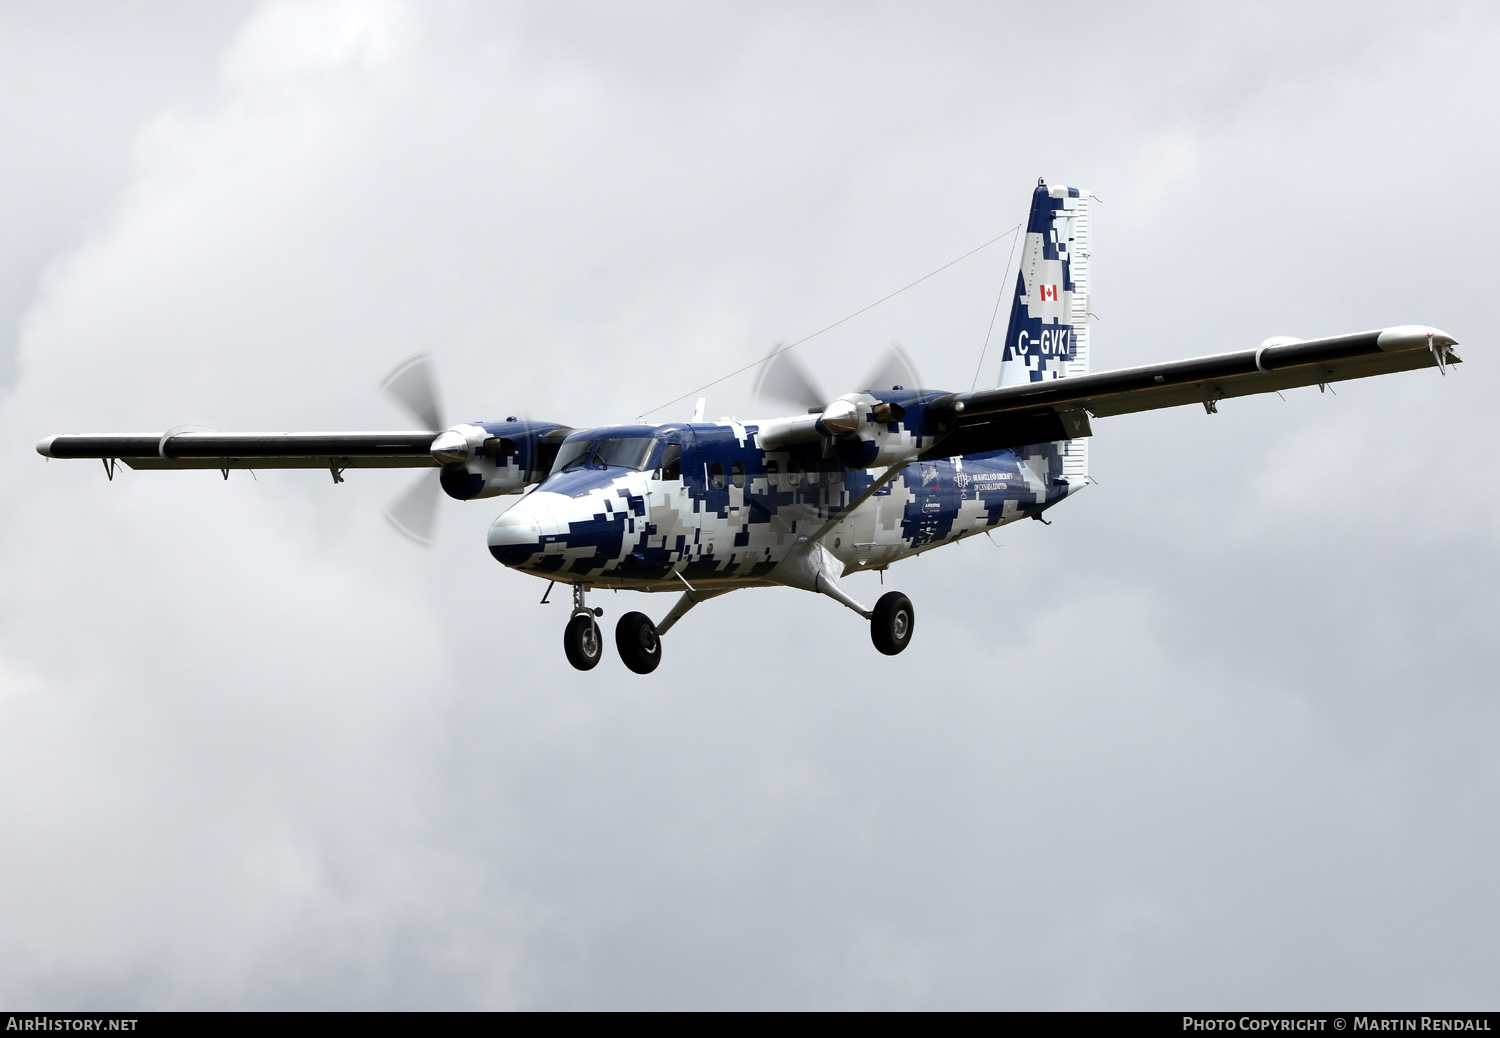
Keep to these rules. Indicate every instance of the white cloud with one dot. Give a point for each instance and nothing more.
(291, 41)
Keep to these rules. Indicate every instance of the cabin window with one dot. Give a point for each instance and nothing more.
(794, 473)
(671, 462)
(737, 474)
(812, 474)
(835, 474)
(716, 475)
(773, 474)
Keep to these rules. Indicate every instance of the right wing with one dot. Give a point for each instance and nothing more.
(225, 451)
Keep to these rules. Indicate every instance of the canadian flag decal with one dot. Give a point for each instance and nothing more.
(1049, 293)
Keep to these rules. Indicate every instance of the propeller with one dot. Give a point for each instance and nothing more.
(896, 368)
(783, 378)
(412, 385)
(414, 514)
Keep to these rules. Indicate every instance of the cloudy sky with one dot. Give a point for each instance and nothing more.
(1223, 735)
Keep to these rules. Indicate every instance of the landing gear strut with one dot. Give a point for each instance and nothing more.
(582, 640)
(892, 622)
(639, 643)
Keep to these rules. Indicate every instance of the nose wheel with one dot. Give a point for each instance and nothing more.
(582, 641)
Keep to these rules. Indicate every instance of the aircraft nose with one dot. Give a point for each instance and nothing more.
(515, 536)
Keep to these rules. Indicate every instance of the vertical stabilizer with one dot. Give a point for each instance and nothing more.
(1048, 334)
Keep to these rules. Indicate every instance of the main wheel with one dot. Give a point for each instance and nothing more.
(638, 642)
(582, 642)
(892, 622)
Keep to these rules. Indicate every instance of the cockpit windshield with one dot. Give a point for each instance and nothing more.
(631, 452)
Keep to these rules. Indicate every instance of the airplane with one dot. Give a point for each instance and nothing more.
(853, 484)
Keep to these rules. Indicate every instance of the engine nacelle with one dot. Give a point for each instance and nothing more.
(865, 430)
(488, 459)
(872, 433)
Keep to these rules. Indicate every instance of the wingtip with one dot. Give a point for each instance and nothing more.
(1413, 337)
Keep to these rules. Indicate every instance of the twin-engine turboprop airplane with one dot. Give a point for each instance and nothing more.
(870, 478)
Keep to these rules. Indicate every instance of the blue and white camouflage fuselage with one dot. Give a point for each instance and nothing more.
(736, 512)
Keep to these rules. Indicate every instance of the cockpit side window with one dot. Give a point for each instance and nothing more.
(671, 462)
(631, 452)
(716, 475)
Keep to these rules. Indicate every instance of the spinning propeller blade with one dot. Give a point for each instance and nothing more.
(412, 385)
(414, 514)
(783, 378)
(895, 369)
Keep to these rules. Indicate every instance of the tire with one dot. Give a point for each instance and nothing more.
(892, 623)
(638, 642)
(583, 643)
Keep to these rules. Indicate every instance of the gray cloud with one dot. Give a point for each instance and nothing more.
(1223, 734)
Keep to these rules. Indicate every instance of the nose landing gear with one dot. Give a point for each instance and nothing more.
(582, 641)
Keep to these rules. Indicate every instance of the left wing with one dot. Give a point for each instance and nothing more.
(1059, 409)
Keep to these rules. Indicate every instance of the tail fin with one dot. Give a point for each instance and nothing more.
(1048, 334)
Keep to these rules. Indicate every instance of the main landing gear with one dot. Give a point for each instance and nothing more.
(636, 637)
(638, 641)
(892, 622)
